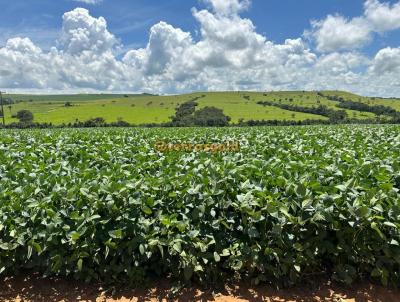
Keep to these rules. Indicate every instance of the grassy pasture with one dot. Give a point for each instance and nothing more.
(389, 102)
(138, 109)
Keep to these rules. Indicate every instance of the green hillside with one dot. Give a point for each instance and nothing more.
(139, 109)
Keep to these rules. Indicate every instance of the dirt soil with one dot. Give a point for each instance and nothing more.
(35, 288)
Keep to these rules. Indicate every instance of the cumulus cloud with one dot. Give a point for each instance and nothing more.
(382, 16)
(166, 45)
(387, 60)
(81, 32)
(336, 32)
(84, 59)
(228, 7)
(229, 54)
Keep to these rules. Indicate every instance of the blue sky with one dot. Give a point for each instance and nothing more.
(130, 22)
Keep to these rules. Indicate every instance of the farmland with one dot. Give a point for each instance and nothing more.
(294, 203)
(142, 109)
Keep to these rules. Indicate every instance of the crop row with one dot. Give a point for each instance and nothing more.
(294, 203)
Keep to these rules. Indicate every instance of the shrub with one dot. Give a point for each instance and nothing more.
(24, 116)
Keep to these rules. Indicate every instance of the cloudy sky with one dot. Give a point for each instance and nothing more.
(180, 46)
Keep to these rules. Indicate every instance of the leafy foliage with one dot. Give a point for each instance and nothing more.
(184, 113)
(25, 116)
(362, 107)
(333, 115)
(377, 109)
(211, 117)
(102, 204)
(187, 116)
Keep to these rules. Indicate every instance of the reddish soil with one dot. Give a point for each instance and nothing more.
(34, 288)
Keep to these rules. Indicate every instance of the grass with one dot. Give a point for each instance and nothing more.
(136, 109)
(310, 99)
(235, 106)
(389, 102)
(139, 109)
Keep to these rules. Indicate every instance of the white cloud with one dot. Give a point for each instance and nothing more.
(382, 16)
(81, 32)
(229, 54)
(335, 32)
(89, 1)
(338, 33)
(85, 59)
(228, 7)
(387, 60)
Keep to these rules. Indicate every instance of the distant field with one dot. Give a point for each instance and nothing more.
(139, 109)
(237, 107)
(390, 102)
(310, 99)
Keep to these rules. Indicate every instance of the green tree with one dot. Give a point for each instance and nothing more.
(211, 116)
(25, 116)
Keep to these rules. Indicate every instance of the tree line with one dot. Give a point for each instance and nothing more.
(362, 107)
(333, 115)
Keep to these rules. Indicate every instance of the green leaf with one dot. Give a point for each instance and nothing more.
(147, 210)
(225, 253)
(75, 236)
(362, 211)
(301, 190)
(298, 247)
(375, 227)
(35, 245)
(390, 224)
(30, 249)
(116, 234)
(177, 247)
(306, 203)
(341, 188)
(79, 264)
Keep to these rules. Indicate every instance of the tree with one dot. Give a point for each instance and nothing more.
(184, 114)
(95, 122)
(25, 116)
(211, 116)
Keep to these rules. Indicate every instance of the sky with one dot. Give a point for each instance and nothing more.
(178, 46)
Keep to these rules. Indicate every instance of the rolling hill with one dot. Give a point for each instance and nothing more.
(144, 108)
